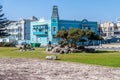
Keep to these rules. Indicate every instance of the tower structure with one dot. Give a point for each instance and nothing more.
(54, 23)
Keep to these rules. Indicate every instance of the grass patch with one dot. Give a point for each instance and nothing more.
(104, 58)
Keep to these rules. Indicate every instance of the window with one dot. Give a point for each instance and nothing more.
(53, 36)
(47, 39)
(110, 28)
(19, 36)
(54, 28)
(116, 33)
(92, 29)
(105, 29)
(70, 27)
(36, 39)
(104, 34)
(62, 28)
(40, 39)
(86, 27)
(19, 29)
(46, 30)
(32, 39)
(4, 40)
(46, 27)
(53, 20)
(54, 40)
(40, 30)
(89, 28)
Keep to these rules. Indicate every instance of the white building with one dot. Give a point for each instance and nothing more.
(19, 31)
(108, 29)
(117, 31)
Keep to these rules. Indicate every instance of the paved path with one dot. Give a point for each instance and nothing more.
(117, 48)
(32, 69)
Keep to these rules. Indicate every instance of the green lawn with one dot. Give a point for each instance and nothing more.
(105, 58)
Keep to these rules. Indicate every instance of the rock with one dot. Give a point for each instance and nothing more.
(72, 50)
(56, 49)
(25, 47)
(19, 46)
(54, 46)
(66, 47)
(52, 57)
(49, 48)
(61, 52)
(64, 50)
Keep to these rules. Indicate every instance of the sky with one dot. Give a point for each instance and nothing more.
(93, 10)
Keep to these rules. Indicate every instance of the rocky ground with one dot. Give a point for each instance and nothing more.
(33, 69)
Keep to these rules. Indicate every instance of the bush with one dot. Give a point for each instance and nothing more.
(81, 47)
(6, 44)
(90, 50)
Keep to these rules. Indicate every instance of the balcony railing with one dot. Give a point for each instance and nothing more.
(40, 33)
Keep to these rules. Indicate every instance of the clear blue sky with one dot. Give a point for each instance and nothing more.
(95, 10)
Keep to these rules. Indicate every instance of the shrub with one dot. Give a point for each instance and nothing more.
(81, 47)
(6, 44)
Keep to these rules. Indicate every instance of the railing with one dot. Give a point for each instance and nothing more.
(112, 48)
(40, 33)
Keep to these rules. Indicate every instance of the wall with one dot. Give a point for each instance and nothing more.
(40, 36)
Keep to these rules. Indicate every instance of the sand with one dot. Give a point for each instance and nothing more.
(35, 69)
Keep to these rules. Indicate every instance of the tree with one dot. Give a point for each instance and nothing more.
(3, 23)
(86, 32)
(74, 36)
(99, 38)
(83, 40)
(92, 36)
(87, 35)
(63, 35)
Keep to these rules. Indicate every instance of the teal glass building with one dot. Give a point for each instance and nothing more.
(43, 31)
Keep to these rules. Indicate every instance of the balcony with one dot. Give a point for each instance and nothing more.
(40, 33)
